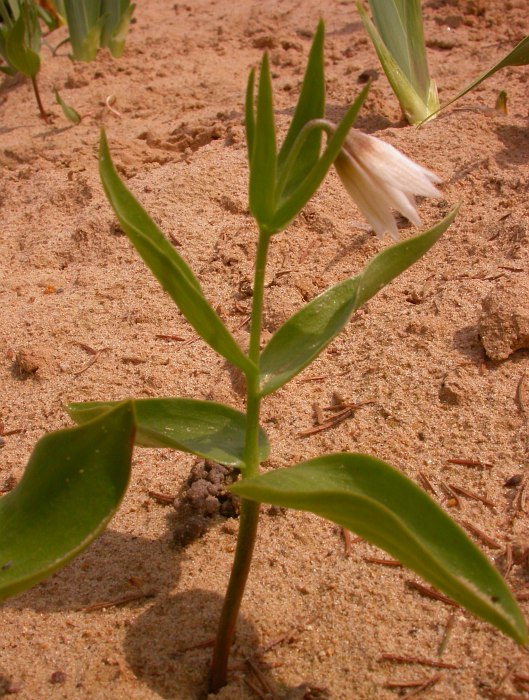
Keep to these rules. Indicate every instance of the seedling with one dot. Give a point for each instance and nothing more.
(92, 24)
(20, 41)
(398, 37)
(95, 24)
(396, 31)
(77, 477)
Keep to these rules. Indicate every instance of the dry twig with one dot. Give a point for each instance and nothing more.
(396, 658)
(123, 600)
(431, 593)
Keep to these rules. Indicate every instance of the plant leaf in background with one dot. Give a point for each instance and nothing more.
(519, 56)
(210, 430)
(301, 339)
(23, 39)
(398, 37)
(118, 16)
(72, 486)
(167, 266)
(85, 25)
(379, 503)
(69, 112)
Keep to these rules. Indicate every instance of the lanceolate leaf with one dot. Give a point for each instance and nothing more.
(249, 115)
(69, 112)
(167, 266)
(311, 105)
(18, 44)
(204, 428)
(519, 56)
(379, 503)
(263, 160)
(72, 486)
(301, 339)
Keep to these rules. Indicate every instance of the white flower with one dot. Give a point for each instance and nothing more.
(380, 178)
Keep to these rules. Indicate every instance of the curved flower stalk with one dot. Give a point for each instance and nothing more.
(379, 178)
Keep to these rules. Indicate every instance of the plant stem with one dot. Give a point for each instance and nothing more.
(39, 101)
(249, 509)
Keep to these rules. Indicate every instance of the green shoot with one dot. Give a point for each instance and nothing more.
(398, 37)
(396, 31)
(20, 41)
(94, 24)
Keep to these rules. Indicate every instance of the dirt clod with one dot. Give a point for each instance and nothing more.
(504, 322)
(32, 361)
(204, 498)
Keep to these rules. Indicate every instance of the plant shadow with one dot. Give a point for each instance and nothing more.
(114, 565)
(169, 647)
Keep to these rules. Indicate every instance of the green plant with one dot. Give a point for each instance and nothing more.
(92, 24)
(95, 24)
(396, 31)
(398, 37)
(76, 478)
(20, 41)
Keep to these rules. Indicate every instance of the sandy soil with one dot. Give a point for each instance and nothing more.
(70, 281)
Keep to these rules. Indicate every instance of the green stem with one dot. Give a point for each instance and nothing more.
(249, 509)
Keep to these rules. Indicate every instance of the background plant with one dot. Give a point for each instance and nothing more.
(76, 477)
(95, 24)
(92, 24)
(396, 31)
(20, 42)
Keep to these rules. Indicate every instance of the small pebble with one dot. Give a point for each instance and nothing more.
(58, 677)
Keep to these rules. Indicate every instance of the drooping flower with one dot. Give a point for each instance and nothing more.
(380, 178)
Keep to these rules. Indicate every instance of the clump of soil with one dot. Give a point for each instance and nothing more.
(204, 499)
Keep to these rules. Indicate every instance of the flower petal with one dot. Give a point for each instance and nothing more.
(368, 195)
(391, 165)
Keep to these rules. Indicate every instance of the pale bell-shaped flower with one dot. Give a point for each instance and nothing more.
(380, 178)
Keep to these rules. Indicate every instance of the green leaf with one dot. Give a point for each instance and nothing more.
(311, 105)
(210, 430)
(5, 15)
(69, 112)
(519, 56)
(263, 160)
(167, 266)
(118, 16)
(85, 25)
(71, 488)
(249, 115)
(402, 56)
(399, 24)
(17, 45)
(290, 206)
(380, 504)
(301, 339)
